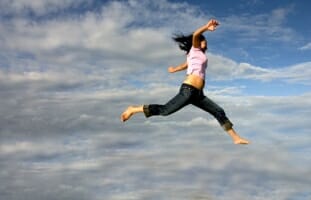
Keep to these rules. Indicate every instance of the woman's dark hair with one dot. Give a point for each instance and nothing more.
(185, 41)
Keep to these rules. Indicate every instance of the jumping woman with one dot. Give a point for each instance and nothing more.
(191, 90)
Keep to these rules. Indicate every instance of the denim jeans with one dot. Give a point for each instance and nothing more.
(189, 95)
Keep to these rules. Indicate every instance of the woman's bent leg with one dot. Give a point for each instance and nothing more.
(209, 106)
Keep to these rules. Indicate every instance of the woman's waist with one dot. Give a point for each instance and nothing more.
(195, 81)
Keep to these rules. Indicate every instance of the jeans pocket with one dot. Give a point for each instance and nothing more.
(186, 91)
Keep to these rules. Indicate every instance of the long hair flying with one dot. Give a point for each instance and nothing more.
(185, 41)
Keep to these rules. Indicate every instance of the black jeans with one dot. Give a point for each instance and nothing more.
(189, 95)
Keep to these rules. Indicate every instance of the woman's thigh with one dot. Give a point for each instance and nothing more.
(176, 103)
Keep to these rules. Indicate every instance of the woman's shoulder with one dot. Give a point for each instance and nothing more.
(194, 50)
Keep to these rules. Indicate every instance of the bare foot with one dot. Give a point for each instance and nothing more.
(126, 114)
(240, 141)
(236, 138)
(131, 110)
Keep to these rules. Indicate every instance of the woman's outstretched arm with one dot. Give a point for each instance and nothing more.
(180, 67)
(210, 26)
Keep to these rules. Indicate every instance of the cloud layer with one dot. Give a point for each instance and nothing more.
(74, 146)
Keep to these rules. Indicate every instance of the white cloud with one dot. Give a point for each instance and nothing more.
(113, 28)
(227, 69)
(306, 47)
(38, 7)
(91, 41)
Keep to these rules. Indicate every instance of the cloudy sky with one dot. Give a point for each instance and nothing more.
(68, 69)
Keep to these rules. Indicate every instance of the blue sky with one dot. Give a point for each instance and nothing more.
(69, 68)
(290, 31)
(280, 41)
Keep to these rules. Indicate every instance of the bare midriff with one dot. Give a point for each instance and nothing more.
(195, 81)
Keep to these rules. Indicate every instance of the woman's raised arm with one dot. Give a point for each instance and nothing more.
(210, 26)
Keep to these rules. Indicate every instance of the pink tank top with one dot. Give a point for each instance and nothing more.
(197, 62)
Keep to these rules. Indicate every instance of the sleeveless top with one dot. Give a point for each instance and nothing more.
(197, 62)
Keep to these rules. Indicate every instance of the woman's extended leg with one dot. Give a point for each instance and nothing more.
(179, 101)
(211, 107)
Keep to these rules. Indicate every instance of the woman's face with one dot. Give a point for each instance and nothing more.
(204, 45)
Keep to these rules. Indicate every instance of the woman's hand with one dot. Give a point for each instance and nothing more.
(171, 69)
(180, 67)
(212, 24)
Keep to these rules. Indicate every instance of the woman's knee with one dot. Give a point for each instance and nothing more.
(220, 112)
